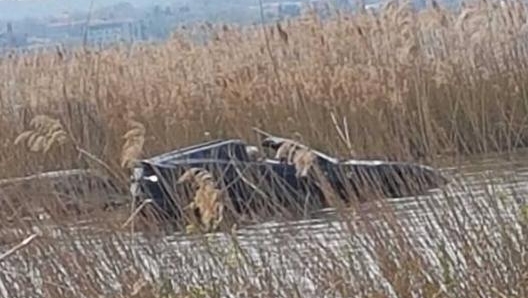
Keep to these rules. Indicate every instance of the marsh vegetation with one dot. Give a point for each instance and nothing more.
(434, 86)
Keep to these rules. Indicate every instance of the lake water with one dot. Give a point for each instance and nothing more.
(485, 193)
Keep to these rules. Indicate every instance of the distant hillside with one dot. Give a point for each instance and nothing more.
(19, 9)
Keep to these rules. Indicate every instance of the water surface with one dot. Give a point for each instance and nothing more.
(485, 194)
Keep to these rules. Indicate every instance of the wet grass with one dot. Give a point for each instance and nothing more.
(396, 84)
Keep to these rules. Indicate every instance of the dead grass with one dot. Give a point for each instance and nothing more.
(401, 85)
(462, 245)
(134, 141)
(395, 84)
(208, 200)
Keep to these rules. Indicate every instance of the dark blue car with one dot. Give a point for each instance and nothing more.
(268, 183)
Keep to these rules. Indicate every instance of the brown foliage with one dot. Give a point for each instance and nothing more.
(133, 146)
(411, 85)
(45, 133)
(208, 199)
(302, 158)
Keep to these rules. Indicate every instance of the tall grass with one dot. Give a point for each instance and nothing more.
(404, 84)
(395, 84)
(447, 245)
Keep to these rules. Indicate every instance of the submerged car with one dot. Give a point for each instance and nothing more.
(263, 182)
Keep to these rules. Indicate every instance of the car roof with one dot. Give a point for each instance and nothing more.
(192, 152)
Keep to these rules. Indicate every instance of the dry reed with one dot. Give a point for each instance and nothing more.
(408, 85)
(208, 200)
(133, 146)
(302, 158)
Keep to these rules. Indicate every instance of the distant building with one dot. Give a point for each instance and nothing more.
(96, 32)
(279, 10)
(104, 32)
(290, 9)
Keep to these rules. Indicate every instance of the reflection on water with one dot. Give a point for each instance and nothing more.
(480, 190)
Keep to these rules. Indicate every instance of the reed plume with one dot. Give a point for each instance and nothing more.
(133, 146)
(44, 133)
(208, 200)
(292, 153)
